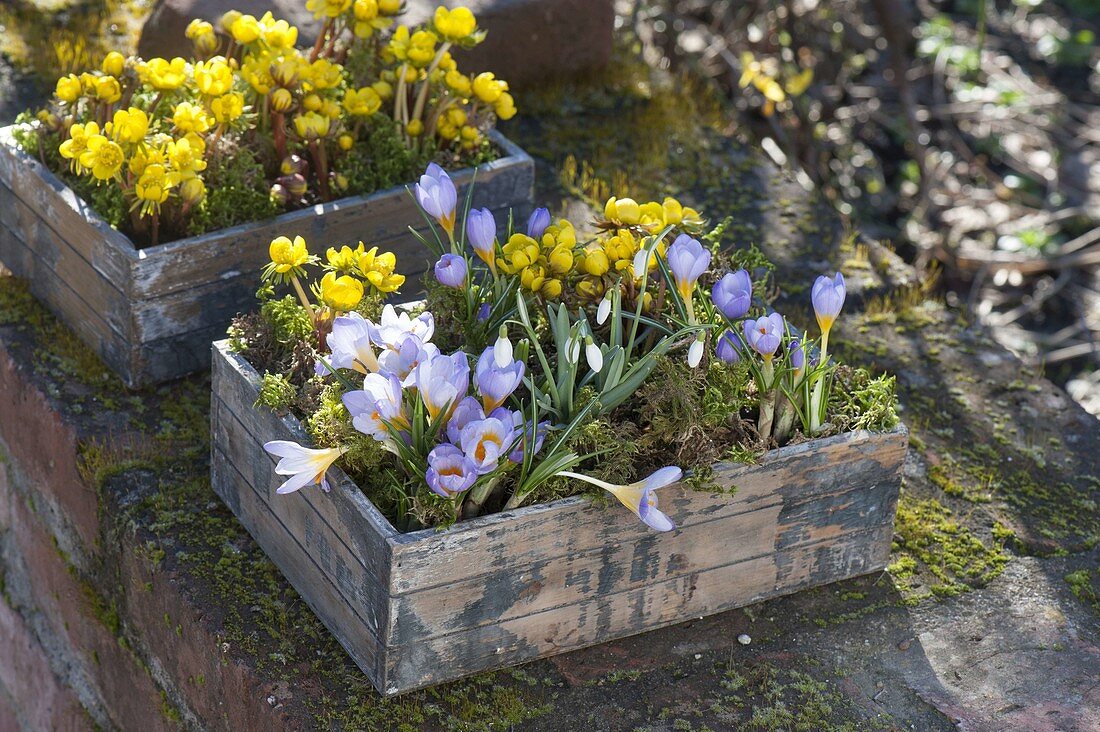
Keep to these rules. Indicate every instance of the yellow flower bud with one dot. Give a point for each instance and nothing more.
(69, 88)
(673, 211)
(107, 89)
(487, 88)
(346, 142)
(415, 128)
(281, 100)
(454, 25)
(192, 190)
(341, 293)
(505, 107)
(389, 7)
(622, 210)
(345, 259)
(383, 89)
(113, 64)
(312, 102)
(164, 75)
(245, 29)
(595, 261)
(590, 288)
(551, 289)
(560, 260)
(228, 19)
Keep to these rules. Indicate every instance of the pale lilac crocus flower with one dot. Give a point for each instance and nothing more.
(732, 294)
(481, 230)
(640, 497)
(687, 260)
(450, 271)
(827, 297)
(764, 335)
(349, 344)
(442, 381)
(537, 223)
(401, 360)
(483, 312)
(304, 465)
(525, 433)
(485, 442)
(466, 411)
(436, 194)
(729, 347)
(379, 402)
(394, 326)
(494, 383)
(449, 470)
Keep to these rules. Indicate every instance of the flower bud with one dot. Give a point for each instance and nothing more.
(192, 191)
(346, 142)
(279, 195)
(113, 64)
(292, 164)
(415, 128)
(312, 102)
(281, 100)
(295, 184)
(229, 19)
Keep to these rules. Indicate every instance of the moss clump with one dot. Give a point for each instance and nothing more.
(236, 193)
(1085, 585)
(860, 401)
(276, 392)
(931, 548)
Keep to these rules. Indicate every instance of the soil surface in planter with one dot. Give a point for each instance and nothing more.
(988, 616)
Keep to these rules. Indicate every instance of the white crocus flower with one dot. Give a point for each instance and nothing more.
(305, 465)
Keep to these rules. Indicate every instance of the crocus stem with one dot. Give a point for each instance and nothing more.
(515, 501)
(786, 416)
(819, 387)
(476, 498)
(767, 401)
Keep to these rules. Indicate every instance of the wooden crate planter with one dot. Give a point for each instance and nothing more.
(152, 313)
(425, 607)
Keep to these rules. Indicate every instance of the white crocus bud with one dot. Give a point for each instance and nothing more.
(604, 309)
(502, 349)
(695, 352)
(594, 355)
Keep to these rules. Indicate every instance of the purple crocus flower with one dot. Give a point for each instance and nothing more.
(688, 260)
(436, 194)
(537, 223)
(798, 355)
(525, 434)
(485, 442)
(442, 381)
(729, 347)
(468, 410)
(765, 334)
(639, 496)
(483, 312)
(393, 327)
(495, 384)
(450, 271)
(481, 230)
(449, 471)
(732, 294)
(828, 298)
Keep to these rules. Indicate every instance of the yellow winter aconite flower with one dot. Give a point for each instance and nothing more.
(113, 64)
(327, 8)
(278, 34)
(417, 48)
(129, 126)
(245, 29)
(77, 143)
(152, 154)
(153, 186)
(363, 102)
(107, 89)
(192, 190)
(162, 74)
(454, 25)
(103, 157)
(341, 293)
(188, 117)
(186, 156)
(227, 107)
(69, 88)
(369, 18)
(541, 265)
(378, 269)
(287, 255)
(214, 77)
(345, 259)
(505, 107)
(488, 88)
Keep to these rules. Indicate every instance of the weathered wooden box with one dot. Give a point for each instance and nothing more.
(420, 608)
(152, 313)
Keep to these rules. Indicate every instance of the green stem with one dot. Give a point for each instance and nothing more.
(819, 387)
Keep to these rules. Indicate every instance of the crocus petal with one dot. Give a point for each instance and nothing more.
(662, 477)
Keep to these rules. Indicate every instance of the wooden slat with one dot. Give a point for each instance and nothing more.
(50, 254)
(345, 509)
(493, 543)
(379, 217)
(66, 304)
(299, 567)
(108, 251)
(360, 587)
(613, 565)
(606, 617)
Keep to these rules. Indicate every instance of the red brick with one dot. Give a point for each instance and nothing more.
(29, 691)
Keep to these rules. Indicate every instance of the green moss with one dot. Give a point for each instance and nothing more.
(236, 193)
(276, 392)
(933, 550)
(860, 401)
(1085, 585)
